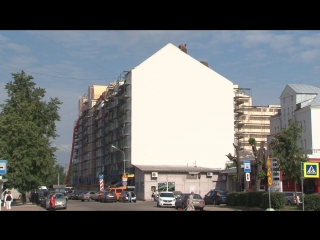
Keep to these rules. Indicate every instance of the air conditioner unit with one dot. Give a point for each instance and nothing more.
(154, 174)
(209, 174)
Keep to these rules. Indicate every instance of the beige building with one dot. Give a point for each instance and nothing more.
(250, 121)
(200, 180)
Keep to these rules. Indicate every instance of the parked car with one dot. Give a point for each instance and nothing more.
(290, 198)
(216, 197)
(75, 195)
(43, 199)
(108, 196)
(177, 194)
(117, 191)
(95, 196)
(198, 202)
(61, 202)
(124, 196)
(84, 196)
(70, 193)
(166, 199)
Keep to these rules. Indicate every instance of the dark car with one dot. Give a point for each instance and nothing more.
(108, 196)
(177, 194)
(75, 195)
(70, 193)
(43, 199)
(124, 196)
(216, 197)
(198, 202)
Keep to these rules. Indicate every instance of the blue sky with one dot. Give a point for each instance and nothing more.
(66, 62)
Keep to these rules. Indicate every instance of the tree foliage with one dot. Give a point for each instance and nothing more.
(284, 146)
(27, 125)
(58, 176)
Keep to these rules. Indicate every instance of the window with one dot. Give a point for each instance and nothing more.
(305, 144)
(304, 125)
(192, 176)
(284, 100)
(275, 130)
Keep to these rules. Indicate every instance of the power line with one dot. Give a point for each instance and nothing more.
(62, 147)
(29, 61)
(57, 76)
(72, 51)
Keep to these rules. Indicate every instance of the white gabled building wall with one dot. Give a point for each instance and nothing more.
(181, 112)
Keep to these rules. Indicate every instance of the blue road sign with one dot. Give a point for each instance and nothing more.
(100, 176)
(3, 166)
(246, 166)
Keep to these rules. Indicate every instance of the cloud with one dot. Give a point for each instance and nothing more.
(310, 55)
(311, 40)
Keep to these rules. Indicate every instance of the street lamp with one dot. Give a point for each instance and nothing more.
(124, 158)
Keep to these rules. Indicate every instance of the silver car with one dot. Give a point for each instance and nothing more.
(61, 201)
(290, 198)
(88, 196)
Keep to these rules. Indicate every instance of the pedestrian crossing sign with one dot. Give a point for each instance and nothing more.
(311, 170)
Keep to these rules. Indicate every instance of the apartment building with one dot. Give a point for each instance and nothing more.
(250, 121)
(301, 102)
(169, 110)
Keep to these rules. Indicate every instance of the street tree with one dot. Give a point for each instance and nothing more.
(260, 159)
(284, 147)
(236, 161)
(58, 176)
(27, 126)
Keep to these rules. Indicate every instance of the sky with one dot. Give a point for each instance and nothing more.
(66, 62)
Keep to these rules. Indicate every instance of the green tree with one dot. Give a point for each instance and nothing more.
(58, 176)
(260, 159)
(236, 161)
(27, 124)
(284, 147)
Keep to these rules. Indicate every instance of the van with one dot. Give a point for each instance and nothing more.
(117, 191)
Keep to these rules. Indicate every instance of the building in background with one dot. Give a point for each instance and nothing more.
(301, 102)
(249, 122)
(169, 110)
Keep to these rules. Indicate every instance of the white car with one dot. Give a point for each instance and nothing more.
(166, 199)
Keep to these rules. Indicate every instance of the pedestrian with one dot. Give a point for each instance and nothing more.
(152, 195)
(190, 206)
(52, 203)
(129, 197)
(8, 198)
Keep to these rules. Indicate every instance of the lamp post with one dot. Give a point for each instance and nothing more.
(124, 158)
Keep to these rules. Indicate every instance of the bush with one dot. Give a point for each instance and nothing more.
(312, 202)
(277, 200)
(254, 199)
(241, 199)
(232, 198)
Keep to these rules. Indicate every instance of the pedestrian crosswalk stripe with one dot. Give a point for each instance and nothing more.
(311, 170)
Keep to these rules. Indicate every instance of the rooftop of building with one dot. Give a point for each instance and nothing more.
(175, 168)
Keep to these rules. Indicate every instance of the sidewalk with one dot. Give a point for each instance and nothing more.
(24, 207)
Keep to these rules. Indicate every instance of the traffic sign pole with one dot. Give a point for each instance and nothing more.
(302, 186)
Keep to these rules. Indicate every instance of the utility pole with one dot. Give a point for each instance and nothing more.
(58, 179)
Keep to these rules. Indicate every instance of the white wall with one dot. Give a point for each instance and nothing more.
(304, 115)
(315, 126)
(182, 112)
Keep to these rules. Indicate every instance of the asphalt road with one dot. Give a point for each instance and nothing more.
(77, 205)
